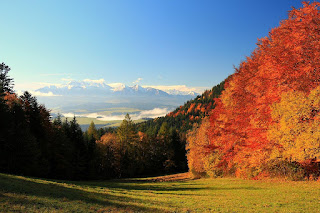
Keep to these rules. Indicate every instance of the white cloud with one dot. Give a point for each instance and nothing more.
(154, 113)
(137, 81)
(96, 115)
(69, 115)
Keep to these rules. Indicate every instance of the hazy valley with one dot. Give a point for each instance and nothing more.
(107, 104)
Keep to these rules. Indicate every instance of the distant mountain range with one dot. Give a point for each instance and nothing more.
(81, 88)
(83, 97)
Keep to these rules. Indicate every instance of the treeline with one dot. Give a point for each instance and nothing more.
(32, 144)
(266, 122)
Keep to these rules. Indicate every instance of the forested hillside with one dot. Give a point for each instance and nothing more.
(31, 143)
(153, 147)
(266, 121)
(184, 117)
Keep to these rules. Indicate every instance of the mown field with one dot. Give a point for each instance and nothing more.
(175, 193)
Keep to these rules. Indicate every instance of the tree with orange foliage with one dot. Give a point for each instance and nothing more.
(288, 59)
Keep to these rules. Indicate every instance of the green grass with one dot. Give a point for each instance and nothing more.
(25, 194)
(85, 120)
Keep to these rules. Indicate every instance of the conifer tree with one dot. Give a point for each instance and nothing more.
(6, 83)
(92, 131)
(126, 131)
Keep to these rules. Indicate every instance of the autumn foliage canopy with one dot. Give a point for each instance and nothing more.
(270, 109)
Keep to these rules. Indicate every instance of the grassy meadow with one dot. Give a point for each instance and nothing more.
(104, 112)
(176, 193)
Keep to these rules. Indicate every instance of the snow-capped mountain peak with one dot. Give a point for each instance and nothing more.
(138, 88)
(179, 92)
(100, 88)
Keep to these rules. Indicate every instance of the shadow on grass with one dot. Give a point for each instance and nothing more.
(120, 194)
(159, 186)
(65, 193)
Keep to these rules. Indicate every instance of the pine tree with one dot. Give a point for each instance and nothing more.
(128, 148)
(92, 131)
(126, 131)
(6, 83)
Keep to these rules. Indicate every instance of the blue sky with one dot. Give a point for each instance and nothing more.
(164, 42)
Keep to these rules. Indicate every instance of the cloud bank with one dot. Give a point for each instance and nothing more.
(154, 113)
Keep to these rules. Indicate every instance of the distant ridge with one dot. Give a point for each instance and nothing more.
(94, 96)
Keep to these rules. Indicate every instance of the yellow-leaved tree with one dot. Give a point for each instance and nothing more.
(201, 161)
(296, 130)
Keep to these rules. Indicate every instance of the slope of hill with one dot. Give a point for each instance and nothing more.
(183, 117)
